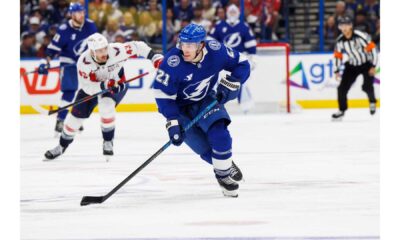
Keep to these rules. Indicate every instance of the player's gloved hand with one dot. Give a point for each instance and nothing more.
(43, 67)
(175, 132)
(157, 60)
(116, 87)
(228, 89)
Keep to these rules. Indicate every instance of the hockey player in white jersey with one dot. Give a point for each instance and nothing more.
(101, 67)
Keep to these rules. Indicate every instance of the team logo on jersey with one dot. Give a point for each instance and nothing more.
(188, 77)
(214, 45)
(198, 90)
(233, 40)
(80, 47)
(173, 61)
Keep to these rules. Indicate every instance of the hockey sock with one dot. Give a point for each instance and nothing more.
(66, 98)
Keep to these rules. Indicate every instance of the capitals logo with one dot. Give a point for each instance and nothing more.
(233, 40)
(198, 90)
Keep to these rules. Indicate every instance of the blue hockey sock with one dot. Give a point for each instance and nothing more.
(67, 97)
(221, 145)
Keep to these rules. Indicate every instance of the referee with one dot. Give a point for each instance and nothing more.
(362, 59)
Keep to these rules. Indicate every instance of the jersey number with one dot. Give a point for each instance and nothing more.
(162, 77)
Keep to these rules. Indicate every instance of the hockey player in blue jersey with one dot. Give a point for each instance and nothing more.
(186, 83)
(238, 36)
(68, 44)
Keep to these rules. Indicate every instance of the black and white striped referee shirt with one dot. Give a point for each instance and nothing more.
(359, 49)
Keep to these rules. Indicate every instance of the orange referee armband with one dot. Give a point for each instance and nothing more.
(370, 46)
(338, 55)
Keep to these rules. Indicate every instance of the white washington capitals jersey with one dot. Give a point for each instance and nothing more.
(238, 36)
(90, 73)
(179, 83)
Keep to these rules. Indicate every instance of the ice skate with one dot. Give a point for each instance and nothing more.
(54, 153)
(229, 186)
(372, 108)
(235, 173)
(338, 116)
(108, 151)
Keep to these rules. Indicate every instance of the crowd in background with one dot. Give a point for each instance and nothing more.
(126, 20)
(365, 15)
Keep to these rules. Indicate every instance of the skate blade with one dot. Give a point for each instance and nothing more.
(108, 157)
(337, 119)
(232, 194)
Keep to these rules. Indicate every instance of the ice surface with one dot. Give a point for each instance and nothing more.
(305, 178)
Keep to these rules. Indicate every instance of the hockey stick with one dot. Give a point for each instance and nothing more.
(50, 68)
(85, 99)
(86, 200)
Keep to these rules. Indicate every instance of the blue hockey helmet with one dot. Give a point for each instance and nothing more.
(192, 33)
(75, 7)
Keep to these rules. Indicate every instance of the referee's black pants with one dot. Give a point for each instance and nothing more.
(349, 76)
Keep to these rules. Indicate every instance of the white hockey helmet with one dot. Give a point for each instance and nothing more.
(97, 41)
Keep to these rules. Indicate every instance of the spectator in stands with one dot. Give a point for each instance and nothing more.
(173, 27)
(372, 10)
(208, 10)
(352, 6)
(27, 45)
(147, 28)
(330, 33)
(376, 38)
(199, 20)
(361, 22)
(47, 12)
(115, 13)
(140, 5)
(60, 11)
(253, 12)
(271, 10)
(36, 30)
(340, 11)
(112, 30)
(128, 25)
(41, 53)
(184, 10)
(220, 14)
(155, 11)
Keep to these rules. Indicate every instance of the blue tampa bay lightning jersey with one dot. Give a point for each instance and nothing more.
(179, 83)
(238, 36)
(70, 42)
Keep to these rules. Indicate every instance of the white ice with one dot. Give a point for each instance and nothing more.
(305, 178)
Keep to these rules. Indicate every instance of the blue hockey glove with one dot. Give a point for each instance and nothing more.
(228, 89)
(116, 87)
(175, 132)
(43, 67)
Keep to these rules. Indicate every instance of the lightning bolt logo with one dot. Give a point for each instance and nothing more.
(197, 91)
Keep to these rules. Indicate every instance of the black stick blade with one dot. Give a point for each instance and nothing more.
(86, 200)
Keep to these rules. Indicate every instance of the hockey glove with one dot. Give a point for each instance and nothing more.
(116, 87)
(175, 132)
(43, 67)
(157, 60)
(228, 89)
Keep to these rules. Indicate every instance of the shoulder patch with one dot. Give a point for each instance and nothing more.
(173, 61)
(63, 26)
(214, 45)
